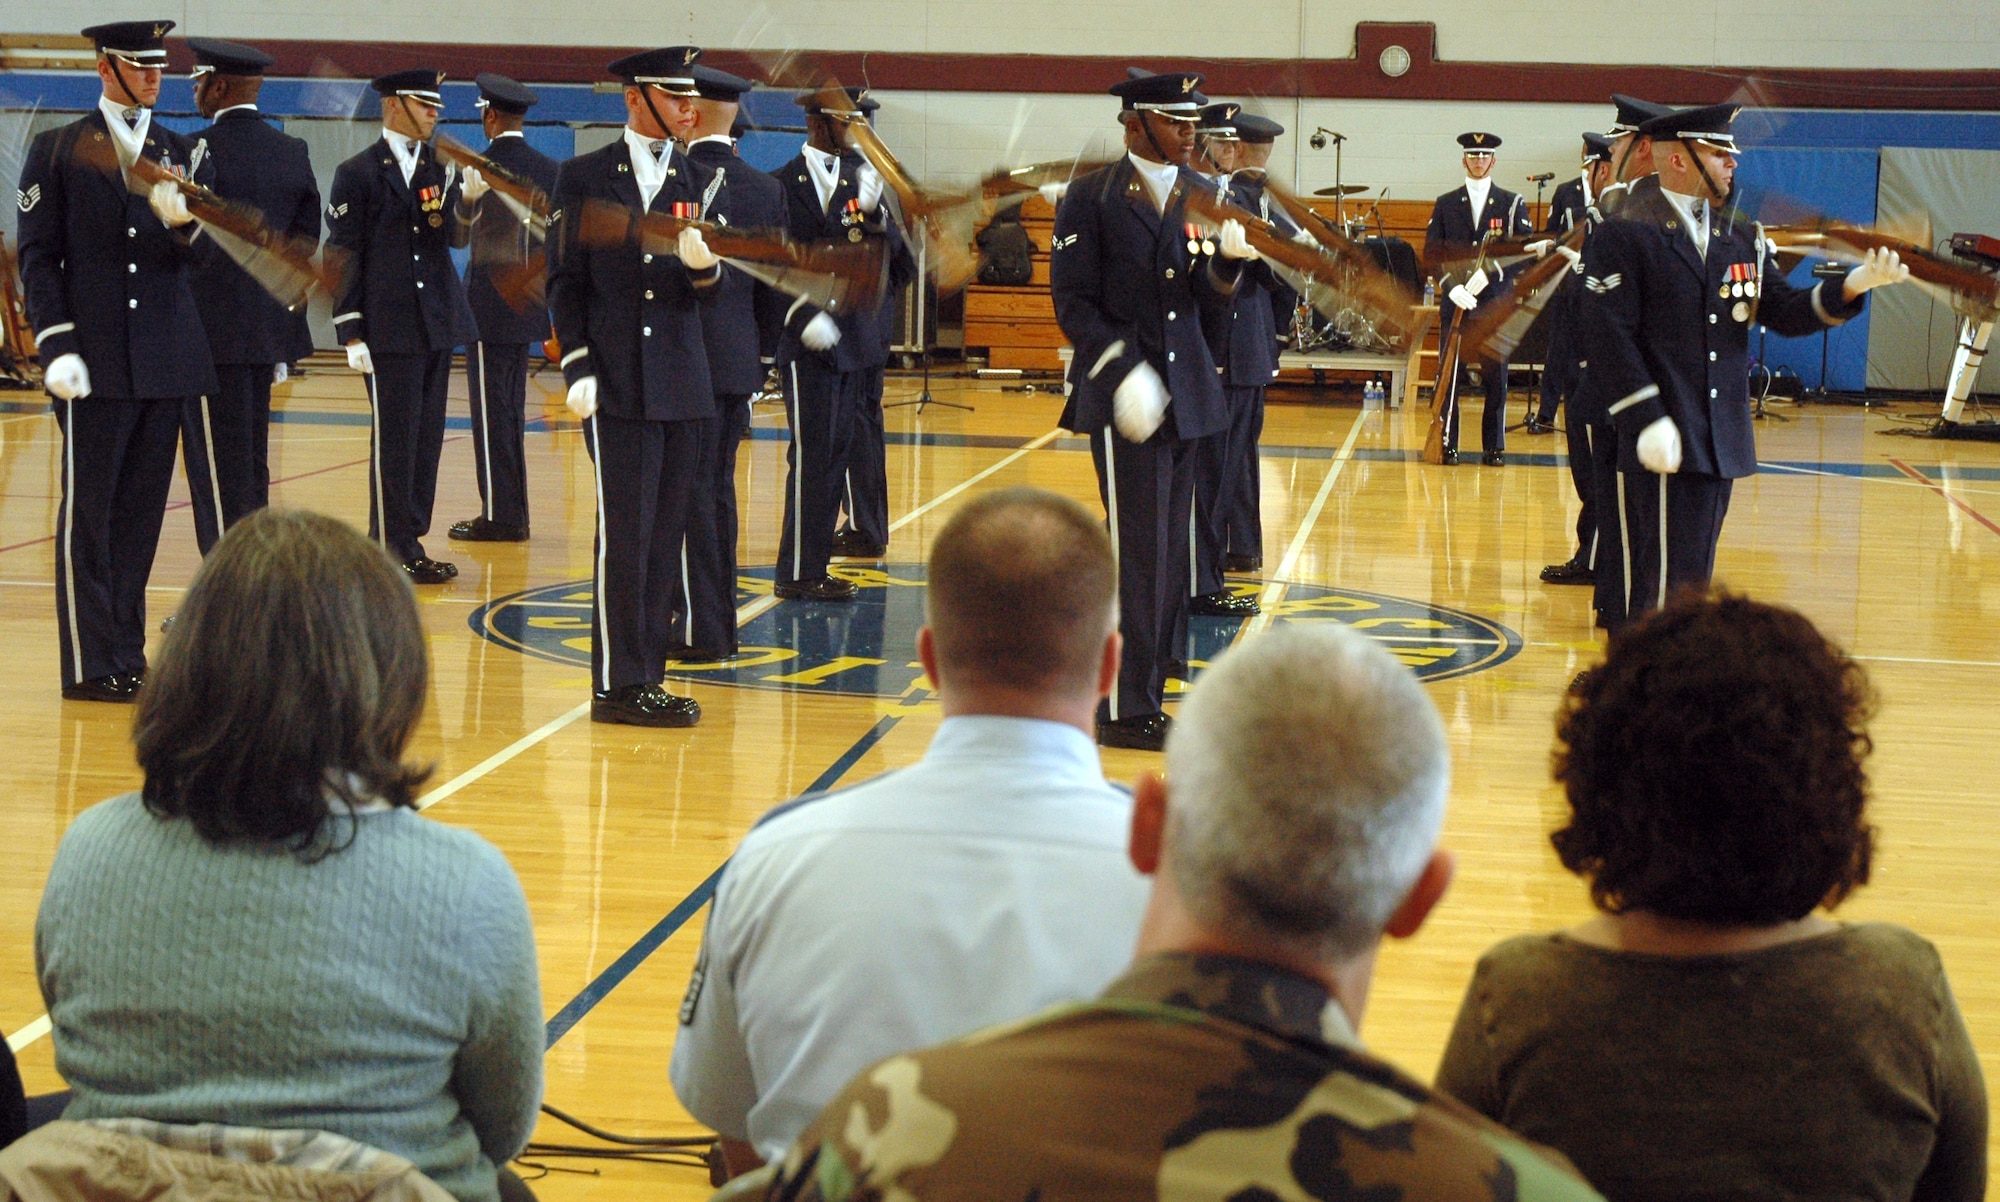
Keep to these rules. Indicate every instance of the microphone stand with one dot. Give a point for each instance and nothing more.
(922, 305)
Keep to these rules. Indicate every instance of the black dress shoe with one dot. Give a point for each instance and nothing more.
(852, 544)
(1451, 459)
(643, 705)
(1574, 572)
(430, 571)
(114, 687)
(826, 588)
(1146, 733)
(167, 623)
(1538, 426)
(1494, 459)
(1233, 562)
(479, 530)
(1224, 604)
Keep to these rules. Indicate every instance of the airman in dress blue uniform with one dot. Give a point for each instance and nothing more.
(226, 438)
(1563, 362)
(105, 271)
(1674, 284)
(1458, 221)
(504, 284)
(831, 366)
(637, 368)
(740, 330)
(397, 212)
(1136, 286)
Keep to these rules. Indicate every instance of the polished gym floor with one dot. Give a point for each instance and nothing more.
(1891, 543)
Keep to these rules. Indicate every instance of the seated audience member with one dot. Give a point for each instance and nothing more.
(982, 883)
(268, 935)
(1296, 825)
(13, 1102)
(1709, 1034)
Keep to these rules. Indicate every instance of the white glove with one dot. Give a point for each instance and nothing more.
(1234, 243)
(359, 359)
(693, 250)
(1541, 248)
(582, 398)
(868, 182)
(1463, 299)
(168, 204)
(1477, 283)
(472, 186)
(1878, 267)
(280, 372)
(1659, 447)
(1053, 193)
(822, 333)
(1140, 403)
(1574, 256)
(67, 377)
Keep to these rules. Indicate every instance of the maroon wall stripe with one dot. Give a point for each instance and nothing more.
(1359, 77)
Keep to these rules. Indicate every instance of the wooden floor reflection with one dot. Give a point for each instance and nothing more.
(1890, 543)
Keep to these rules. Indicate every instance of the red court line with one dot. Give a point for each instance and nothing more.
(1933, 485)
(318, 471)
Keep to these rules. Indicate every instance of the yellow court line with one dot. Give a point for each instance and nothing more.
(28, 1034)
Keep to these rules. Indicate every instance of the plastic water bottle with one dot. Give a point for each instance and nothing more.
(1371, 393)
(1430, 290)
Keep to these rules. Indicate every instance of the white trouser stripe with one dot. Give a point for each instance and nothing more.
(1194, 584)
(1111, 508)
(214, 477)
(1661, 603)
(798, 475)
(687, 592)
(1590, 444)
(375, 461)
(479, 404)
(1625, 550)
(69, 541)
(597, 562)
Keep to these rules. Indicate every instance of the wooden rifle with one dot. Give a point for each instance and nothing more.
(839, 277)
(17, 337)
(1444, 396)
(283, 264)
(1969, 287)
(1498, 327)
(1388, 301)
(522, 284)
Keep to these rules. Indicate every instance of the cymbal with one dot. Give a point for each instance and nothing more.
(1341, 190)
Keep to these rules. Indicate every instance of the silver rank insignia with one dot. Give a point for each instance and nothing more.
(28, 197)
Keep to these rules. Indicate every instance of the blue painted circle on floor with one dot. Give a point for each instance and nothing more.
(868, 647)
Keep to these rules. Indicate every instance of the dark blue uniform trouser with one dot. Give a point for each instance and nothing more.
(820, 404)
(496, 375)
(1493, 420)
(1560, 371)
(117, 466)
(1243, 514)
(225, 445)
(867, 475)
(406, 395)
(1671, 525)
(706, 615)
(645, 471)
(1148, 493)
(1609, 587)
(1580, 437)
(1218, 473)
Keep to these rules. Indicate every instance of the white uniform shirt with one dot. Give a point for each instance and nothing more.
(984, 883)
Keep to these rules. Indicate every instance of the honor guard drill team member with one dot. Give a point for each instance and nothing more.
(637, 370)
(397, 211)
(740, 331)
(1675, 282)
(1631, 175)
(1562, 366)
(251, 336)
(1216, 457)
(1135, 286)
(505, 249)
(831, 365)
(1259, 315)
(1460, 218)
(104, 265)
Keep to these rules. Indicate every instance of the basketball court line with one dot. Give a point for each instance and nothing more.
(1275, 588)
(1948, 495)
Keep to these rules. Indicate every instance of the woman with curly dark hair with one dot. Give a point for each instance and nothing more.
(1711, 1033)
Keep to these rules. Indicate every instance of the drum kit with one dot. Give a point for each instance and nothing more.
(1324, 318)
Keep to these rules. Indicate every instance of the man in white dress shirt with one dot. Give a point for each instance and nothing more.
(981, 884)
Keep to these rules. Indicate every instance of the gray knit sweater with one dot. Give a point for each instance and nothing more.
(387, 993)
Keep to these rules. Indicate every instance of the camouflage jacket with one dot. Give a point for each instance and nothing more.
(1193, 1077)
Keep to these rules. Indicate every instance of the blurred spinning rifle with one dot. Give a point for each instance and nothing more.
(1498, 326)
(17, 339)
(1380, 294)
(839, 277)
(522, 283)
(282, 263)
(1307, 263)
(1973, 292)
